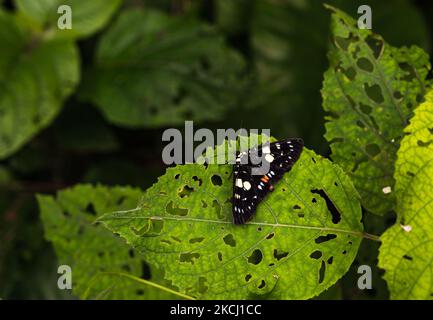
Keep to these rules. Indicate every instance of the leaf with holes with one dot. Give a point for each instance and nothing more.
(87, 17)
(406, 252)
(34, 82)
(303, 238)
(94, 253)
(153, 70)
(369, 92)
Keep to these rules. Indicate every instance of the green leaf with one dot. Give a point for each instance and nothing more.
(87, 16)
(154, 70)
(369, 92)
(302, 240)
(35, 78)
(406, 253)
(95, 255)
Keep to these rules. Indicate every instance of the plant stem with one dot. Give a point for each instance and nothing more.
(371, 237)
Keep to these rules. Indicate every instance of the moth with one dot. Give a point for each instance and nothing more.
(249, 189)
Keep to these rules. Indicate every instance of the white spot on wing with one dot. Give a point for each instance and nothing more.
(269, 158)
(247, 185)
(266, 149)
(239, 183)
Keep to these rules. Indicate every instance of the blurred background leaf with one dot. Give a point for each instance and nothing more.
(154, 70)
(369, 93)
(34, 82)
(92, 251)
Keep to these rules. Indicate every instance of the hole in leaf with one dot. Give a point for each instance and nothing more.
(296, 207)
(262, 284)
(330, 260)
(131, 253)
(220, 256)
(230, 240)
(125, 267)
(342, 43)
(255, 257)
(216, 180)
(145, 271)
(398, 95)
(376, 45)
(177, 176)
(200, 181)
(407, 257)
(176, 239)
(188, 257)
(365, 64)
(374, 93)
(328, 237)
(186, 191)
(90, 209)
(409, 70)
(322, 272)
(410, 174)
(365, 108)
(372, 149)
(350, 73)
(336, 216)
(120, 200)
(314, 200)
(248, 277)
(280, 255)
(270, 236)
(316, 254)
(196, 240)
(203, 204)
(360, 124)
(424, 144)
(175, 210)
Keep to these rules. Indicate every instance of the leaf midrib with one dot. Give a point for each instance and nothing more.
(358, 233)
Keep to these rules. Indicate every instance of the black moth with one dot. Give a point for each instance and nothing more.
(248, 189)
